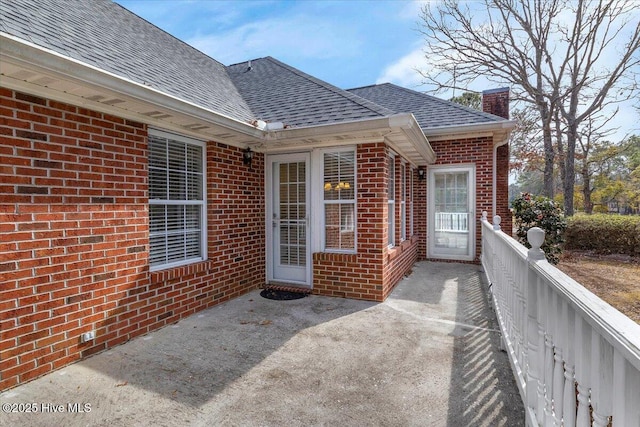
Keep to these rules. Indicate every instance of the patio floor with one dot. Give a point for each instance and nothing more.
(427, 356)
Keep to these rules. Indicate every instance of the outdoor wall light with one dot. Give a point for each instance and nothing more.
(421, 172)
(247, 157)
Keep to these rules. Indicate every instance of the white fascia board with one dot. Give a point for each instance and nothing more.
(503, 127)
(30, 56)
(359, 131)
(416, 136)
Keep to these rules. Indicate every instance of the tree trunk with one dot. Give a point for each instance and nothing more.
(586, 189)
(549, 152)
(559, 147)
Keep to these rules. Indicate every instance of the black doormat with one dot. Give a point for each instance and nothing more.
(281, 295)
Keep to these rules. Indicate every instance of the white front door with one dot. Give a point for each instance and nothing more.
(451, 220)
(288, 252)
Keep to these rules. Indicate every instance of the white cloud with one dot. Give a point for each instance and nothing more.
(300, 37)
(404, 71)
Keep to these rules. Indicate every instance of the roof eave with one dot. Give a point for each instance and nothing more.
(499, 129)
(401, 131)
(16, 53)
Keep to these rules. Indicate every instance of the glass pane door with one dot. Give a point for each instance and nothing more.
(290, 221)
(451, 214)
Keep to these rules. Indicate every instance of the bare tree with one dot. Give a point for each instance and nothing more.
(563, 57)
(594, 154)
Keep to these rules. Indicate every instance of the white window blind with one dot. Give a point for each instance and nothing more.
(176, 201)
(339, 200)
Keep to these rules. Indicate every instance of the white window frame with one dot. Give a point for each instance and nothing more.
(391, 201)
(165, 202)
(403, 201)
(352, 226)
(469, 168)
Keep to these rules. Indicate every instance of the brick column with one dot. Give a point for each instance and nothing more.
(496, 101)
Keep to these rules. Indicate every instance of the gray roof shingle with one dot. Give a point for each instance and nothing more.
(278, 92)
(429, 111)
(106, 35)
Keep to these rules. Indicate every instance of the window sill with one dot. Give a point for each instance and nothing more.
(183, 270)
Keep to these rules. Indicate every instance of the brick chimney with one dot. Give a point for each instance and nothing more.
(496, 101)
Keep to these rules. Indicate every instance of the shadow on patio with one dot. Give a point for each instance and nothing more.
(427, 356)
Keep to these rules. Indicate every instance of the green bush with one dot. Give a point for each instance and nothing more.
(604, 234)
(538, 211)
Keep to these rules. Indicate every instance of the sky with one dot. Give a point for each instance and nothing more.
(348, 43)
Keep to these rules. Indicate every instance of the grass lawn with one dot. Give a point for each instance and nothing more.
(614, 278)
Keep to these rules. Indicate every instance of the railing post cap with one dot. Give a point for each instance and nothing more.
(484, 215)
(496, 222)
(535, 237)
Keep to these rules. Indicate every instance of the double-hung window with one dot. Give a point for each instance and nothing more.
(339, 200)
(176, 200)
(391, 200)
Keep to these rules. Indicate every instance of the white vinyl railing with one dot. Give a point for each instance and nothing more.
(576, 359)
(452, 221)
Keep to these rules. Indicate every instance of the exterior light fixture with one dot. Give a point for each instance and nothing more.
(247, 157)
(421, 172)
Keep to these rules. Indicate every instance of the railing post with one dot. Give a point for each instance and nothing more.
(535, 237)
(535, 334)
(496, 222)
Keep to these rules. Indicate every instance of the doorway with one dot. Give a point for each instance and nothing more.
(451, 206)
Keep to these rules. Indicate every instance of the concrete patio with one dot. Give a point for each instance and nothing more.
(427, 356)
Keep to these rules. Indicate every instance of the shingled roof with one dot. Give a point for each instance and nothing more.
(107, 36)
(104, 35)
(280, 93)
(429, 111)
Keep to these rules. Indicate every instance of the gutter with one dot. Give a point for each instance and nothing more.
(403, 122)
(443, 131)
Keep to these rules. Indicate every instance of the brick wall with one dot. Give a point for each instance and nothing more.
(502, 189)
(420, 211)
(496, 101)
(400, 258)
(375, 269)
(74, 236)
(360, 275)
(478, 151)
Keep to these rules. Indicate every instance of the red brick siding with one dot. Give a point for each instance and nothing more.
(478, 151)
(375, 269)
(420, 211)
(497, 102)
(74, 236)
(360, 275)
(502, 189)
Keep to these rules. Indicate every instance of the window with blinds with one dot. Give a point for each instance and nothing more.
(339, 200)
(391, 199)
(176, 201)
